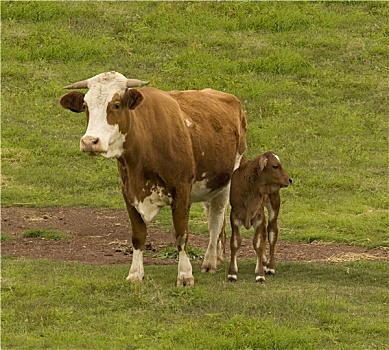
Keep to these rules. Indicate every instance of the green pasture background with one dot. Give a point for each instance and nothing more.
(313, 81)
(312, 78)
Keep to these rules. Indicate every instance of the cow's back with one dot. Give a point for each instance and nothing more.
(217, 127)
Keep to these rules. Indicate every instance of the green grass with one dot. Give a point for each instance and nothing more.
(306, 306)
(312, 78)
(172, 253)
(44, 234)
(5, 236)
(313, 81)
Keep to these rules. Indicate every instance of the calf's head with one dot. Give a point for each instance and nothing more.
(106, 104)
(272, 174)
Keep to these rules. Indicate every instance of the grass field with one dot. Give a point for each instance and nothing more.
(50, 305)
(313, 80)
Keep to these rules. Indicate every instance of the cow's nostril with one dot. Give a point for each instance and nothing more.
(89, 140)
(90, 144)
(290, 181)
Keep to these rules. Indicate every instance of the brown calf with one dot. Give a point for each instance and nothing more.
(254, 185)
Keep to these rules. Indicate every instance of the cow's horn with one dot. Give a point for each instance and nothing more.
(79, 85)
(135, 82)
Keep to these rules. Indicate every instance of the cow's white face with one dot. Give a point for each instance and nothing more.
(101, 137)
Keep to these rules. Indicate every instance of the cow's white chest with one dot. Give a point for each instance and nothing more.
(150, 206)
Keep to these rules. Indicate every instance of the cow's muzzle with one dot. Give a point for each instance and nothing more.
(90, 144)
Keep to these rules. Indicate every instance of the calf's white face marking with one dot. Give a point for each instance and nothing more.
(102, 88)
(278, 158)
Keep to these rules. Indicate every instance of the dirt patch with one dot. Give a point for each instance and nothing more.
(103, 236)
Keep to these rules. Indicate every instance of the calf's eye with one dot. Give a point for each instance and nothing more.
(275, 166)
(116, 105)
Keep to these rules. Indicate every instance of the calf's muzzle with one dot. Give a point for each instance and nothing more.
(286, 181)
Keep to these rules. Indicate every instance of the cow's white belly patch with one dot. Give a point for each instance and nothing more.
(152, 204)
(200, 192)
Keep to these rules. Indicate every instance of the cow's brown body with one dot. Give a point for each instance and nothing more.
(177, 148)
(254, 185)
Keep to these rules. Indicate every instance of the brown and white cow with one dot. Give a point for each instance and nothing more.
(172, 149)
(254, 185)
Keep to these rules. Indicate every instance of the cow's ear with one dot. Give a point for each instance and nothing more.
(74, 101)
(262, 162)
(132, 98)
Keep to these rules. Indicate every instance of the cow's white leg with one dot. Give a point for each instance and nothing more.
(136, 271)
(138, 242)
(185, 275)
(215, 209)
(221, 242)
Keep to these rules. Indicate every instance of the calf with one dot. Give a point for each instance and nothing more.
(254, 185)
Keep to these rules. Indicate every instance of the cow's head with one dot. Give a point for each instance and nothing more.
(106, 103)
(273, 174)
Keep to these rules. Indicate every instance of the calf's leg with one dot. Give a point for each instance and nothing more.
(273, 208)
(259, 243)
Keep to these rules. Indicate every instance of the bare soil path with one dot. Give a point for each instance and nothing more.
(103, 236)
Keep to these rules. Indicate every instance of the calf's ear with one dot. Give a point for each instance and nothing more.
(262, 162)
(74, 101)
(132, 98)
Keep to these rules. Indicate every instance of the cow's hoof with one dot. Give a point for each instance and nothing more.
(260, 279)
(270, 271)
(186, 281)
(209, 269)
(132, 277)
(220, 259)
(232, 278)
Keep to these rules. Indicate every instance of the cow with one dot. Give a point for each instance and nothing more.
(254, 185)
(172, 149)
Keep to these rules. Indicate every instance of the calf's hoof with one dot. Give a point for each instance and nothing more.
(232, 278)
(270, 271)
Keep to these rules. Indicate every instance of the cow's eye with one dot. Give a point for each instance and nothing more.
(116, 105)
(275, 166)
